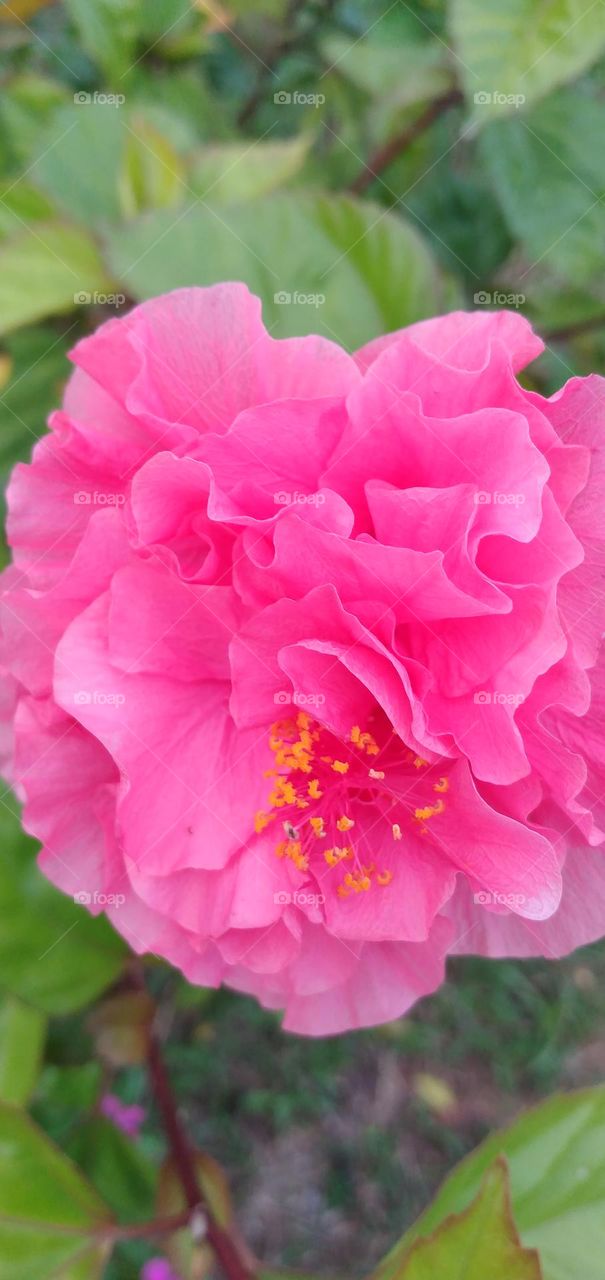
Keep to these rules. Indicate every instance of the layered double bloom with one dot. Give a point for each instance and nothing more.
(302, 679)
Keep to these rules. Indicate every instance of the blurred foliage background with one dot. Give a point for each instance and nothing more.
(361, 164)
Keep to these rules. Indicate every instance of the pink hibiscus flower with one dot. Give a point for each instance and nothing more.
(302, 652)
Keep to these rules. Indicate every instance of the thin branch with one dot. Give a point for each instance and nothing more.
(229, 1253)
(575, 329)
(384, 156)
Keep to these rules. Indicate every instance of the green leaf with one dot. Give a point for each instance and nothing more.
(20, 203)
(522, 48)
(49, 1215)
(556, 1157)
(37, 370)
(22, 1032)
(153, 174)
(53, 954)
(80, 157)
(44, 270)
(27, 104)
(108, 30)
(243, 171)
(479, 1243)
(550, 180)
(349, 269)
(406, 73)
(116, 1167)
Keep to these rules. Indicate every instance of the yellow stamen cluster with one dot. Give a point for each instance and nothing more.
(294, 744)
(364, 741)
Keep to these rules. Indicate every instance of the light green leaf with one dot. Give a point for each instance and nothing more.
(22, 1031)
(80, 157)
(326, 264)
(479, 1243)
(153, 174)
(556, 1158)
(21, 203)
(116, 1167)
(550, 180)
(27, 103)
(37, 369)
(51, 1220)
(522, 48)
(44, 270)
(407, 73)
(53, 954)
(108, 31)
(242, 171)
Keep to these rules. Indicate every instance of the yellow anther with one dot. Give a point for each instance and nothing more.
(340, 766)
(421, 815)
(314, 790)
(342, 892)
(262, 820)
(419, 762)
(345, 824)
(318, 827)
(442, 785)
(303, 720)
(384, 877)
(364, 741)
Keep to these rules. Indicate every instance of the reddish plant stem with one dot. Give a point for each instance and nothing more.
(575, 329)
(384, 156)
(234, 1263)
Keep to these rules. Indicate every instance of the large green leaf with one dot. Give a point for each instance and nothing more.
(408, 73)
(479, 1244)
(80, 157)
(325, 264)
(51, 1220)
(550, 179)
(116, 1167)
(44, 271)
(556, 1157)
(522, 48)
(108, 30)
(37, 371)
(53, 954)
(239, 171)
(22, 1031)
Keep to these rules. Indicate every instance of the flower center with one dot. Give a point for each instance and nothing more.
(318, 783)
